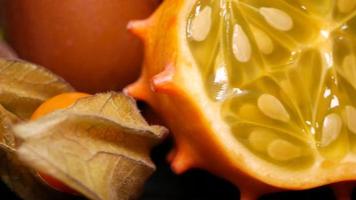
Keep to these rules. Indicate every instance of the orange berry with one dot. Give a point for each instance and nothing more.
(56, 103)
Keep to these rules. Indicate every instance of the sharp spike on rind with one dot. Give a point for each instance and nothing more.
(343, 191)
(171, 155)
(183, 158)
(138, 90)
(248, 195)
(182, 162)
(250, 190)
(139, 27)
(164, 81)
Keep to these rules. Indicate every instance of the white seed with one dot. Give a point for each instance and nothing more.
(249, 111)
(201, 25)
(259, 139)
(350, 115)
(349, 69)
(332, 126)
(272, 107)
(283, 150)
(277, 18)
(345, 6)
(264, 42)
(241, 44)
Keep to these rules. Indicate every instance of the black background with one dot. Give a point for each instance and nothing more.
(200, 185)
(197, 185)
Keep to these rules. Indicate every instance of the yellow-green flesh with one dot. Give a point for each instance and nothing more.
(284, 73)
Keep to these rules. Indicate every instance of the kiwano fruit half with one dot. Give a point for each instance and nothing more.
(262, 93)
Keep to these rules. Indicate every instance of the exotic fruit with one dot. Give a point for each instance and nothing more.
(262, 93)
(85, 42)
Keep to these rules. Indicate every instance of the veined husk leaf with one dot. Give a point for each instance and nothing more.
(7, 138)
(100, 146)
(24, 86)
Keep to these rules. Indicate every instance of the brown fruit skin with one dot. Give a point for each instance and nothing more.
(85, 42)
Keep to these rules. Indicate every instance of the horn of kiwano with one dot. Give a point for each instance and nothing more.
(262, 93)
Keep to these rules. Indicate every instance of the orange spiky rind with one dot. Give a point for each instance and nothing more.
(139, 27)
(164, 81)
(138, 90)
(343, 190)
(171, 155)
(182, 162)
(186, 133)
(200, 138)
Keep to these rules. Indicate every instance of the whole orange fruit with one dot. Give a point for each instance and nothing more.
(85, 42)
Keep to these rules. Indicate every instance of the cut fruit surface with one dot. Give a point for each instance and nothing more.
(258, 91)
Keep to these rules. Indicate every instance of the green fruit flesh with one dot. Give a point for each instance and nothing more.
(283, 73)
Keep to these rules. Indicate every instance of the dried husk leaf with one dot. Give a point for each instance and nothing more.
(7, 138)
(119, 108)
(23, 181)
(18, 177)
(24, 86)
(99, 147)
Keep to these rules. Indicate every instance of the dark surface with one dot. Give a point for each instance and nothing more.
(200, 185)
(197, 185)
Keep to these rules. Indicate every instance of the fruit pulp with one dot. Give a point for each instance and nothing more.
(283, 73)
